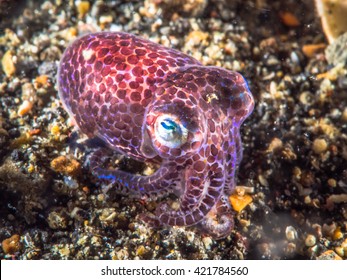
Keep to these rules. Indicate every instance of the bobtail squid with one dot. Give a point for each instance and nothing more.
(158, 105)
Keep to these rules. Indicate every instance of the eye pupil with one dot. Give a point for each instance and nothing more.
(168, 124)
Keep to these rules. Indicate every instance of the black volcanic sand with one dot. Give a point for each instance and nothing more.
(295, 143)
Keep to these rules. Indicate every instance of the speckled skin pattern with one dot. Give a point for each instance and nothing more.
(158, 105)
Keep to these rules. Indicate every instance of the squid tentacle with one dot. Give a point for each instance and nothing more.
(136, 185)
(198, 199)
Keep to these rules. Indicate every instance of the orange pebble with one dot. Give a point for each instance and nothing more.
(239, 202)
(25, 108)
(8, 66)
(66, 165)
(41, 81)
(11, 245)
(82, 8)
(86, 189)
(34, 131)
(311, 49)
(289, 19)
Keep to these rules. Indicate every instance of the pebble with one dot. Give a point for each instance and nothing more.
(340, 251)
(66, 165)
(55, 130)
(196, 38)
(310, 50)
(329, 229)
(337, 234)
(194, 7)
(24, 108)
(307, 199)
(27, 91)
(100, 197)
(239, 200)
(141, 250)
(11, 245)
(68, 34)
(332, 183)
(107, 216)
(8, 65)
(96, 241)
(83, 240)
(344, 115)
(31, 168)
(190, 236)
(319, 146)
(275, 145)
(336, 199)
(312, 251)
(245, 223)
(289, 19)
(57, 219)
(83, 8)
(344, 247)
(10, 37)
(122, 254)
(207, 241)
(71, 183)
(263, 181)
(291, 233)
(310, 240)
(105, 20)
(290, 249)
(306, 98)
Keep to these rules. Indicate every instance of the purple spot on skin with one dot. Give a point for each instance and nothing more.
(155, 104)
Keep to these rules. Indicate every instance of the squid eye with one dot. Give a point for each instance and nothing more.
(170, 131)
